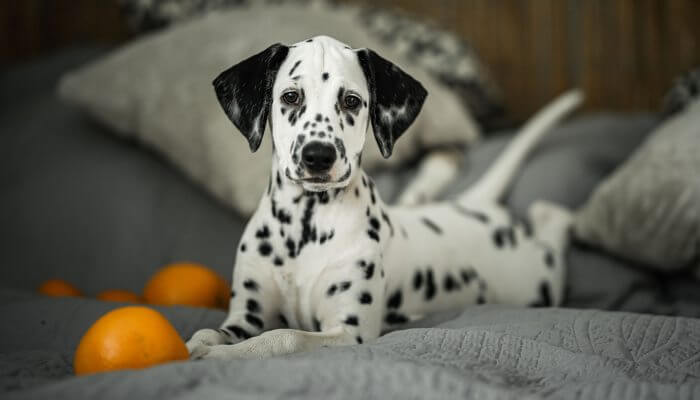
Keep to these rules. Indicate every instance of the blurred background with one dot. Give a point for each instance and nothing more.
(115, 158)
(623, 53)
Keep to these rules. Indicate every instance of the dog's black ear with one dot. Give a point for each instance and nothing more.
(245, 91)
(395, 98)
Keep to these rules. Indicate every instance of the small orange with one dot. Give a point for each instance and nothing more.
(128, 337)
(123, 296)
(59, 288)
(188, 284)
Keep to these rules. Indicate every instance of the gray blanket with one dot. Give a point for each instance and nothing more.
(486, 352)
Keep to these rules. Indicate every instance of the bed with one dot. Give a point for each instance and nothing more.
(80, 204)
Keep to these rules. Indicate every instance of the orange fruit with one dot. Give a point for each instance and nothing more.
(128, 337)
(188, 284)
(59, 288)
(124, 296)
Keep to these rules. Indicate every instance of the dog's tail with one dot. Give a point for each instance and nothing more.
(495, 181)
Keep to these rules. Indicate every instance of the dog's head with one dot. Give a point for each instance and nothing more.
(319, 97)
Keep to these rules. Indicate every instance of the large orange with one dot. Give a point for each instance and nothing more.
(59, 288)
(189, 284)
(128, 337)
(123, 296)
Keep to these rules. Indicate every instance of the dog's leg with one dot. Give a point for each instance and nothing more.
(253, 309)
(436, 171)
(346, 311)
(551, 224)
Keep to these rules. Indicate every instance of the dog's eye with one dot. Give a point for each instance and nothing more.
(291, 98)
(351, 102)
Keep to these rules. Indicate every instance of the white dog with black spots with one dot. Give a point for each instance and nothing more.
(323, 261)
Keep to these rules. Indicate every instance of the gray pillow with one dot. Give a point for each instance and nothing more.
(648, 210)
(158, 90)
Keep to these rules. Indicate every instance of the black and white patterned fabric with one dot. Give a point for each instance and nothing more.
(446, 56)
(685, 90)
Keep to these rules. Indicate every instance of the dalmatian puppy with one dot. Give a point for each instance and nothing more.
(323, 261)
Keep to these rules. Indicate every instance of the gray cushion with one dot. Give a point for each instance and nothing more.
(649, 209)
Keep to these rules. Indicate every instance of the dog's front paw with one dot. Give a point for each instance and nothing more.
(202, 340)
(199, 352)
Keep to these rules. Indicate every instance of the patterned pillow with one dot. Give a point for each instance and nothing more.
(447, 57)
(648, 210)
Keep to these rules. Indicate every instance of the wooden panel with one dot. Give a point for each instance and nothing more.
(623, 53)
(32, 27)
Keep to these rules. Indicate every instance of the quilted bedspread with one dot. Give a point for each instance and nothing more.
(485, 352)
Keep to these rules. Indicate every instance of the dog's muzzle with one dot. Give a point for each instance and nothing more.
(318, 157)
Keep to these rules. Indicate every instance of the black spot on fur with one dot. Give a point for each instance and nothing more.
(394, 318)
(263, 233)
(357, 194)
(243, 248)
(233, 293)
(296, 64)
(430, 288)
(481, 217)
(369, 271)
(331, 290)
(549, 259)
(373, 235)
(319, 118)
(324, 76)
(265, 249)
(545, 292)
(254, 321)
(374, 222)
(306, 126)
(467, 275)
(251, 285)
(450, 283)
(290, 247)
(395, 300)
(283, 320)
(365, 298)
(351, 320)
(385, 217)
(341, 147)
(358, 340)
(345, 286)
(283, 216)
(317, 325)
(278, 261)
(417, 280)
(430, 224)
(350, 120)
(252, 306)
(239, 332)
(497, 238)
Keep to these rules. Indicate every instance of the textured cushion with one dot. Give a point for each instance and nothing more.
(158, 90)
(447, 57)
(649, 209)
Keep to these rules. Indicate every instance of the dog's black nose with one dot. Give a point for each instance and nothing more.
(318, 156)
